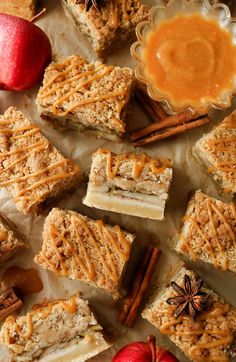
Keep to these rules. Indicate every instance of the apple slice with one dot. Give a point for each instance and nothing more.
(25, 51)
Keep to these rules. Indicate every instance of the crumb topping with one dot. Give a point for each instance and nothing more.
(220, 148)
(209, 231)
(204, 339)
(114, 15)
(95, 94)
(30, 166)
(84, 249)
(131, 171)
(66, 319)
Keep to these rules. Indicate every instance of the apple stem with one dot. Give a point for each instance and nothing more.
(43, 11)
(152, 346)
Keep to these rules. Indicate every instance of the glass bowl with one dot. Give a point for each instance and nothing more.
(162, 12)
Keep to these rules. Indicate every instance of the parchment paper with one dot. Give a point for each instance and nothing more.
(187, 176)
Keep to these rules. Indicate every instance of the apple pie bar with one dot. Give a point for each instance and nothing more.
(132, 184)
(194, 317)
(107, 22)
(217, 152)
(22, 8)
(86, 96)
(88, 250)
(208, 232)
(31, 168)
(11, 242)
(59, 331)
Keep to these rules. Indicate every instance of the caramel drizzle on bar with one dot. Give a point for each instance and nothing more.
(218, 255)
(139, 162)
(114, 14)
(225, 336)
(85, 78)
(126, 12)
(218, 145)
(82, 259)
(24, 152)
(45, 310)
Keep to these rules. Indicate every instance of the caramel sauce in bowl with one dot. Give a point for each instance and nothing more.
(186, 55)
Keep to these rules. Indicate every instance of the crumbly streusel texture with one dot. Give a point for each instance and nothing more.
(216, 151)
(208, 232)
(64, 329)
(92, 97)
(130, 183)
(210, 337)
(85, 249)
(31, 168)
(22, 8)
(11, 242)
(113, 24)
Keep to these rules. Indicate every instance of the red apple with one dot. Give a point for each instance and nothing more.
(144, 352)
(134, 352)
(165, 356)
(25, 51)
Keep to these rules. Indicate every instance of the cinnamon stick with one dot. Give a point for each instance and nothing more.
(132, 315)
(174, 120)
(171, 132)
(129, 299)
(146, 106)
(9, 303)
(152, 107)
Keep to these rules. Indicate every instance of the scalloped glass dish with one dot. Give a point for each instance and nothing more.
(162, 13)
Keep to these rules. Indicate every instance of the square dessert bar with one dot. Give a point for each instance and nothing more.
(85, 249)
(11, 242)
(63, 330)
(22, 8)
(31, 168)
(110, 22)
(86, 96)
(208, 232)
(217, 152)
(204, 328)
(132, 184)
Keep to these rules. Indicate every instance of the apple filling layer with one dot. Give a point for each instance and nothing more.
(132, 203)
(77, 350)
(80, 124)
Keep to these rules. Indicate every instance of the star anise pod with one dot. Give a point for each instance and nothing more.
(89, 3)
(190, 300)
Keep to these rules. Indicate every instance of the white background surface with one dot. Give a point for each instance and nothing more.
(187, 176)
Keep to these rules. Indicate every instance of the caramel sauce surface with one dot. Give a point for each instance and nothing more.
(26, 280)
(190, 59)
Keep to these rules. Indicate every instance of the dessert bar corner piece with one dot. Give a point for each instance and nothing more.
(64, 330)
(11, 242)
(88, 250)
(194, 317)
(208, 232)
(216, 151)
(22, 8)
(132, 184)
(32, 169)
(108, 24)
(86, 96)
(10, 302)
